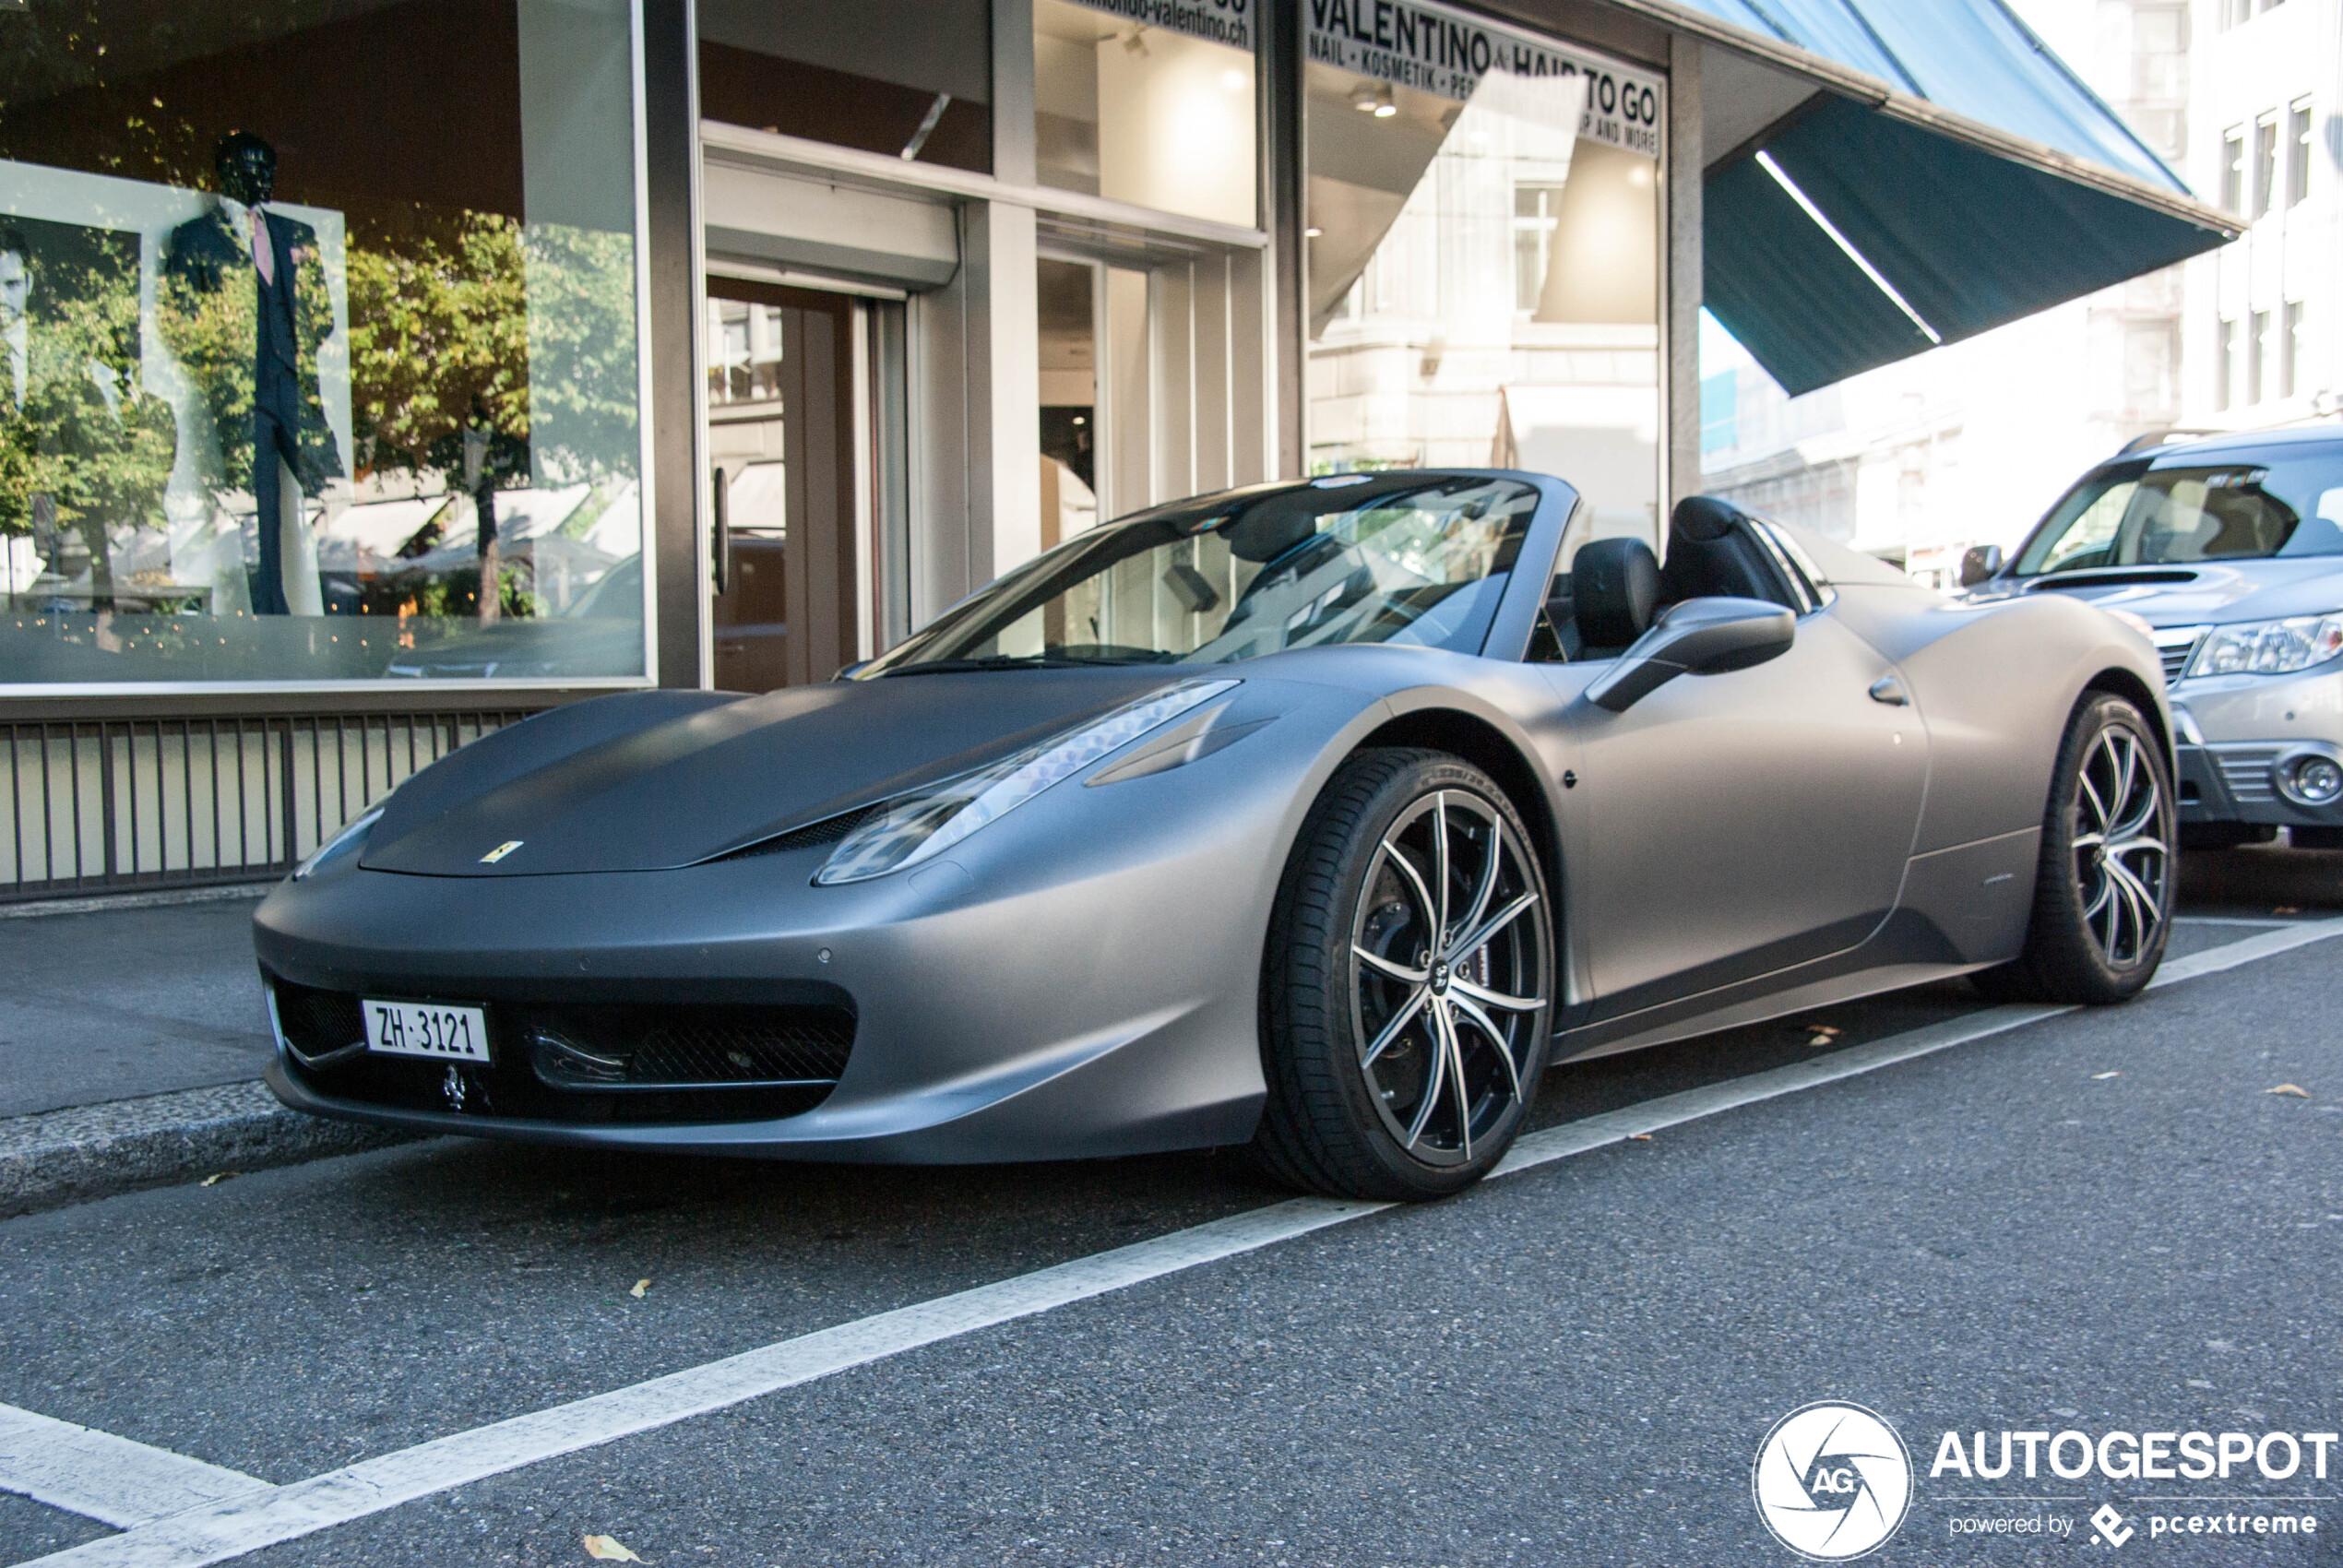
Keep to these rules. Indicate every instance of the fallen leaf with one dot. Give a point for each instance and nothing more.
(606, 1549)
(1640, 1137)
(2294, 1089)
(2102, 1077)
(642, 1288)
(215, 1178)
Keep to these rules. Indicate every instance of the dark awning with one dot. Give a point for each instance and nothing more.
(1947, 175)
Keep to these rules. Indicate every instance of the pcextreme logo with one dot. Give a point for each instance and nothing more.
(1832, 1481)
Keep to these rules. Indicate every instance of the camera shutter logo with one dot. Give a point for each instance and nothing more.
(1832, 1481)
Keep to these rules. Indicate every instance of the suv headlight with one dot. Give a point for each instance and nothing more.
(926, 822)
(2269, 647)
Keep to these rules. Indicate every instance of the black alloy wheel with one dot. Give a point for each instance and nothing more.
(1408, 985)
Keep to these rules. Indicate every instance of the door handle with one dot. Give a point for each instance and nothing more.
(721, 535)
(1889, 690)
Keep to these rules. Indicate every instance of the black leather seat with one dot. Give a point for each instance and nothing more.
(1710, 554)
(1614, 586)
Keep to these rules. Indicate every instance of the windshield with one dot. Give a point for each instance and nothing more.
(2265, 505)
(1361, 558)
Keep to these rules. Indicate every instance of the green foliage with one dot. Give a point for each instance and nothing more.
(101, 461)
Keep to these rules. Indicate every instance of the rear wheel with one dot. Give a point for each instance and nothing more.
(2103, 891)
(1407, 983)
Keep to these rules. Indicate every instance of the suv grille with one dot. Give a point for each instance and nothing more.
(2173, 646)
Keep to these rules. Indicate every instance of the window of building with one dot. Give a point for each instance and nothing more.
(2257, 354)
(908, 77)
(1536, 207)
(328, 329)
(1158, 116)
(2234, 12)
(1506, 229)
(2233, 169)
(2265, 164)
(2298, 152)
(2224, 364)
(2289, 350)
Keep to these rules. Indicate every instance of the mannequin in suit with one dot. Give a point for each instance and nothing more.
(243, 303)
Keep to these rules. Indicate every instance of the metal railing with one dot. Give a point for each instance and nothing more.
(102, 805)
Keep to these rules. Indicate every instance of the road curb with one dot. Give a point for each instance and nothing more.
(93, 1151)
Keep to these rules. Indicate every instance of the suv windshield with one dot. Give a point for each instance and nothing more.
(1355, 558)
(2263, 504)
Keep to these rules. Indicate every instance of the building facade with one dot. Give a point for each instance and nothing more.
(384, 371)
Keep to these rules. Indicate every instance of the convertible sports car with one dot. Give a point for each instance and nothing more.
(1321, 815)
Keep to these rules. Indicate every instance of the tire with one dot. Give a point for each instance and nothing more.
(2103, 889)
(1400, 1064)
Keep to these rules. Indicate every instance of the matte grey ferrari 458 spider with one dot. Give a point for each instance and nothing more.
(1320, 815)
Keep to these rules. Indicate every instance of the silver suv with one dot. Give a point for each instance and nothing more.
(2230, 551)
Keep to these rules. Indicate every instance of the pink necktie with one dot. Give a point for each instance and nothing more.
(262, 252)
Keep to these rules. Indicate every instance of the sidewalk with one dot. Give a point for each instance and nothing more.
(131, 1045)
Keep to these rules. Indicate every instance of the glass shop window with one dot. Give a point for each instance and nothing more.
(1483, 255)
(1150, 114)
(911, 79)
(322, 330)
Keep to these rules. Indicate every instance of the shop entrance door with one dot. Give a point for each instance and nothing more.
(782, 427)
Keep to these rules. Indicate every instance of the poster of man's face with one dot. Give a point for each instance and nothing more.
(67, 278)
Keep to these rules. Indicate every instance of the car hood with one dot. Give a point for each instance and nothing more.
(653, 779)
(2201, 594)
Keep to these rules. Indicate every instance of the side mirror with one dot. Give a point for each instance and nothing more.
(1977, 562)
(1700, 636)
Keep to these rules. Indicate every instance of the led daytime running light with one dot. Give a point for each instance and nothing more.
(925, 822)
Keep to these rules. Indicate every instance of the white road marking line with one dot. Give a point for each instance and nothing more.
(218, 1531)
(2263, 921)
(106, 1477)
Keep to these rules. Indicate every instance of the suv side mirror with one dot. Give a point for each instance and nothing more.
(1700, 636)
(1977, 562)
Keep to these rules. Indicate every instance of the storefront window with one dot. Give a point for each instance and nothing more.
(911, 79)
(323, 325)
(1483, 225)
(1148, 101)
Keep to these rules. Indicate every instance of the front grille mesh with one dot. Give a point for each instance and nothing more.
(709, 1045)
(2175, 659)
(620, 1062)
(318, 1021)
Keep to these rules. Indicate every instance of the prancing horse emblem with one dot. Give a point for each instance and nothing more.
(500, 852)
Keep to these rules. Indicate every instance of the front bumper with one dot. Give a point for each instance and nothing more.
(2241, 735)
(1108, 1007)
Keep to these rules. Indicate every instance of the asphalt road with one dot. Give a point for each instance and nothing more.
(1573, 1364)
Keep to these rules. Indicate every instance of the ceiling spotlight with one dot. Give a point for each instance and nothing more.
(1375, 98)
(1312, 233)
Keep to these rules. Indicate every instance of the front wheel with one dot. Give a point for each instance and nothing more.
(2103, 891)
(1407, 984)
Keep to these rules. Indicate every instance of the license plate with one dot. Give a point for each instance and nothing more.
(421, 1028)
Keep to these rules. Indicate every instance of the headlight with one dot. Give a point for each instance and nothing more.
(2269, 647)
(348, 838)
(923, 824)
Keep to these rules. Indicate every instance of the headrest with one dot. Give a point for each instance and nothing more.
(1613, 584)
(1704, 517)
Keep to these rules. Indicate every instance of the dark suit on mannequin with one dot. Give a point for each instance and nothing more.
(271, 399)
